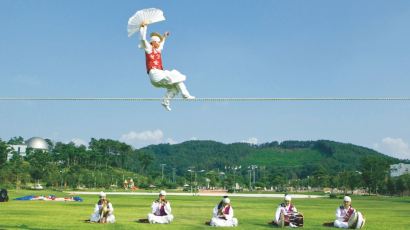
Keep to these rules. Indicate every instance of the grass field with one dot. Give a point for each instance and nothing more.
(192, 212)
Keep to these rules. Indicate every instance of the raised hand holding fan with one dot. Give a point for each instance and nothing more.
(145, 16)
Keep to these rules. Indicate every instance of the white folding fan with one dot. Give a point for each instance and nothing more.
(150, 15)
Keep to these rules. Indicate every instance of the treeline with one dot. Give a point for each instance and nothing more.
(299, 165)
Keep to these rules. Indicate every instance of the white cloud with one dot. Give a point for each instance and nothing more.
(79, 142)
(171, 141)
(395, 147)
(144, 138)
(251, 140)
(154, 136)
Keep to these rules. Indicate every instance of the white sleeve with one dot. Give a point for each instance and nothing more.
(338, 214)
(167, 208)
(110, 208)
(294, 209)
(96, 208)
(215, 212)
(144, 43)
(154, 207)
(277, 214)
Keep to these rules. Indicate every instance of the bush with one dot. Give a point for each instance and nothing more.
(333, 196)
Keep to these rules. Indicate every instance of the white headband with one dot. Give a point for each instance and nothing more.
(155, 39)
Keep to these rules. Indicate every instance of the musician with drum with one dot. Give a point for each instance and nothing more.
(287, 214)
(347, 216)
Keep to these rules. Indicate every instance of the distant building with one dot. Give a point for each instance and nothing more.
(19, 149)
(33, 143)
(399, 169)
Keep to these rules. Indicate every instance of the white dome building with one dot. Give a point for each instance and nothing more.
(37, 143)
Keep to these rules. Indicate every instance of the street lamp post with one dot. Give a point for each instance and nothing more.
(234, 168)
(222, 175)
(250, 179)
(190, 183)
(252, 169)
(192, 171)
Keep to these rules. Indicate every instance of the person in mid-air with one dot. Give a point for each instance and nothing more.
(172, 80)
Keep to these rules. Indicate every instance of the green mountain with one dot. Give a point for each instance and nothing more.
(298, 155)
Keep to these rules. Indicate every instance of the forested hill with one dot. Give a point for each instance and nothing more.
(104, 163)
(299, 155)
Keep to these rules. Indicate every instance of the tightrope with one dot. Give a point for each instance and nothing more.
(243, 99)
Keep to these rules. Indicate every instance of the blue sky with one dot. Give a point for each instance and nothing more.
(231, 48)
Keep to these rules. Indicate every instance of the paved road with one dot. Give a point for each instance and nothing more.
(298, 196)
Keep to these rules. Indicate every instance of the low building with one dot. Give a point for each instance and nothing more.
(399, 169)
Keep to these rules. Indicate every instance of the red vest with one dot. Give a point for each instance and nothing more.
(226, 210)
(153, 60)
(348, 213)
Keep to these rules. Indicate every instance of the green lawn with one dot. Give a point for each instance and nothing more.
(192, 212)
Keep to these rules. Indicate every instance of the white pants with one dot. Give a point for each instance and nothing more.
(95, 217)
(218, 222)
(340, 224)
(153, 219)
(357, 225)
(172, 80)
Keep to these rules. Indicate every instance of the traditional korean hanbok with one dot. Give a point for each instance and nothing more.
(161, 213)
(103, 209)
(223, 217)
(172, 80)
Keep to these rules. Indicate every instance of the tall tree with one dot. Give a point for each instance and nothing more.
(4, 151)
(16, 141)
(374, 172)
(401, 185)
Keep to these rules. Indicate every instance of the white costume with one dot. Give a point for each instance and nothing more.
(286, 209)
(95, 217)
(287, 214)
(348, 217)
(172, 80)
(227, 220)
(161, 212)
(342, 216)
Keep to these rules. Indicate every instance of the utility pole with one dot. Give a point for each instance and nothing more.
(173, 175)
(250, 179)
(162, 175)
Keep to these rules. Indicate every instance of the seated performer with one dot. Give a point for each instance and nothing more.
(347, 216)
(161, 211)
(103, 211)
(223, 214)
(172, 80)
(287, 214)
